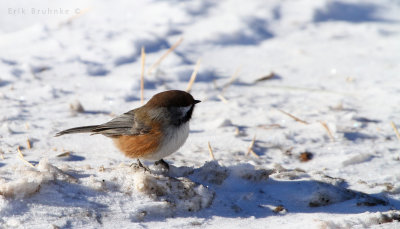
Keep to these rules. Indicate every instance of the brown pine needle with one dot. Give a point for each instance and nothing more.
(327, 130)
(193, 77)
(211, 151)
(165, 55)
(222, 98)
(251, 145)
(28, 143)
(21, 156)
(293, 117)
(395, 129)
(1, 154)
(143, 58)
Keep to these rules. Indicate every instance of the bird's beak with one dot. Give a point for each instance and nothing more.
(196, 101)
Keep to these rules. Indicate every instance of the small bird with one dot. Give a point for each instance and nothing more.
(152, 131)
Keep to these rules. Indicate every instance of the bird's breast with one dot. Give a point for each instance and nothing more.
(173, 138)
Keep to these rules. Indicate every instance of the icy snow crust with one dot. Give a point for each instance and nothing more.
(336, 67)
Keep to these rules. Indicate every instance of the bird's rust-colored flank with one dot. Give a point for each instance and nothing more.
(139, 146)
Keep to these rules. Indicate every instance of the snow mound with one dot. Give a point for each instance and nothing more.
(156, 194)
(30, 180)
(211, 172)
(90, 194)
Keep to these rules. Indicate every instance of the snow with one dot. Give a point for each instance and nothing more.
(334, 62)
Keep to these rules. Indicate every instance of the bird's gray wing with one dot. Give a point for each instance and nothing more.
(125, 124)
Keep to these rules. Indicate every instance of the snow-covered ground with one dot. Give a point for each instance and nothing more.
(333, 64)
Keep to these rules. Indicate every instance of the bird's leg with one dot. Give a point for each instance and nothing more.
(162, 163)
(139, 163)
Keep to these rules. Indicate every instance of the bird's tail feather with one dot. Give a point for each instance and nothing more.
(81, 129)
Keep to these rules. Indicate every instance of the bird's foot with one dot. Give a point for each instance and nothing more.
(140, 165)
(161, 163)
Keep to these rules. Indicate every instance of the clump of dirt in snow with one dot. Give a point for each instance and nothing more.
(327, 196)
(181, 193)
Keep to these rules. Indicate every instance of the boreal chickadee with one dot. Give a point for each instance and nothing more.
(152, 131)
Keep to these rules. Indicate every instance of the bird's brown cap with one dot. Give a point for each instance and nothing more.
(172, 98)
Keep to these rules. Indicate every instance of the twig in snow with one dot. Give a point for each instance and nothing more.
(143, 58)
(165, 55)
(267, 77)
(222, 98)
(1, 154)
(269, 126)
(66, 154)
(395, 129)
(327, 130)
(21, 156)
(19, 152)
(193, 77)
(28, 143)
(293, 117)
(211, 151)
(251, 145)
(254, 153)
(250, 150)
